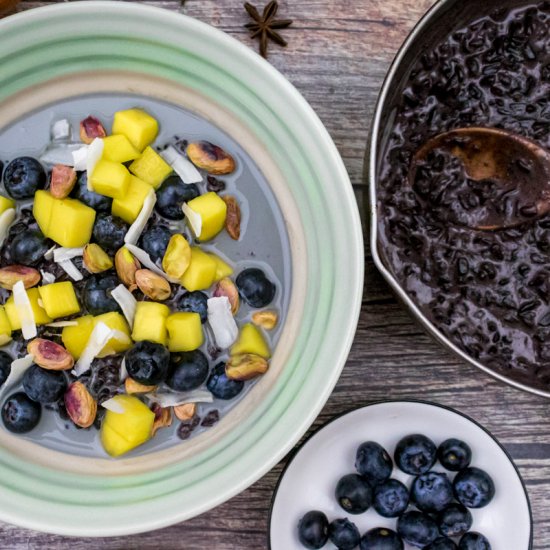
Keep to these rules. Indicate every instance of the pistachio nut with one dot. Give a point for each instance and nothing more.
(226, 287)
(126, 266)
(11, 274)
(131, 386)
(163, 418)
(96, 260)
(265, 319)
(81, 406)
(177, 256)
(62, 181)
(91, 128)
(152, 285)
(49, 355)
(210, 157)
(233, 217)
(186, 411)
(245, 367)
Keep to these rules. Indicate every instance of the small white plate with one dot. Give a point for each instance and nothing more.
(310, 477)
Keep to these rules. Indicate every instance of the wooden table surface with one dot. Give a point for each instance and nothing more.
(338, 54)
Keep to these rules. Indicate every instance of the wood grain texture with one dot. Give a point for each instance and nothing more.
(338, 54)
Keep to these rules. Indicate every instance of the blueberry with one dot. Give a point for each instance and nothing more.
(373, 462)
(5, 366)
(354, 494)
(474, 541)
(155, 241)
(28, 248)
(20, 414)
(454, 520)
(148, 363)
(109, 232)
(196, 301)
(441, 543)
(255, 288)
(381, 538)
(473, 487)
(454, 454)
(188, 372)
(172, 194)
(417, 528)
(415, 454)
(432, 492)
(96, 295)
(23, 177)
(44, 386)
(222, 387)
(391, 498)
(100, 203)
(313, 530)
(343, 534)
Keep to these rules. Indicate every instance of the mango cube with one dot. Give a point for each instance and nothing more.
(75, 338)
(122, 432)
(40, 315)
(130, 205)
(251, 340)
(110, 179)
(5, 327)
(119, 149)
(150, 322)
(68, 222)
(212, 210)
(6, 204)
(151, 168)
(184, 331)
(138, 126)
(59, 299)
(223, 269)
(201, 271)
(115, 321)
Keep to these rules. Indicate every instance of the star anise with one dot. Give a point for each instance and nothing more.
(265, 26)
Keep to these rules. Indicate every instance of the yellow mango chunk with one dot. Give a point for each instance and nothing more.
(150, 322)
(201, 271)
(119, 149)
(40, 315)
(110, 179)
(59, 299)
(75, 338)
(114, 321)
(184, 331)
(223, 269)
(151, 168)
(5, 327)
(251, 340)
(122, 432)
(6, 204)
(138, 126)
(129, 206)
(212, 210)
(68, 222)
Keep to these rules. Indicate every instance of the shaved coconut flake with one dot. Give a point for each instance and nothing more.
(24, 310)
(222, 322)
(61, 129)
(101, 334)
(125, 299)
(48, 255)
(47, 278)
(95, 152)
(185, 169)
(123, 370)
(136, 229)
(61, 254)
(145, 259)
(113, 405)
(6, 219)
(173, 399)
(62, 324)
(80, 158)
(194, 219)
(18, 368)
(60, 153)
(71, 270)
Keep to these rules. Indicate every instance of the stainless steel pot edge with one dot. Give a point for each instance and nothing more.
(370, 173)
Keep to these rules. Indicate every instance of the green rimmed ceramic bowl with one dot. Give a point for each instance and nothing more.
(105, 47)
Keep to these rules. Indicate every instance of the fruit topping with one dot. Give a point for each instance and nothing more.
(44, 386)
(23, 177)
(473, 487)
(343, 534)
(255, 288)
(221, 386)
(59, 299)
(432, 492)
(391, 498)
(20, 414)
(28, 248)
(354, 494)
(188, 371)
(155, 241)
(150, 323)
(313, 530)
(96, 295)
(147, 363)
(184, 331)
(454, 455)
(151, 168)
(171, 196)
(373, 462)
(417, 529)
(415, 454)
(381, 538)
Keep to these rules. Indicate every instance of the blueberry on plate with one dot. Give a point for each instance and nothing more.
(96, 295)
(391, 498)
(155, 241)
(454, 454)
(196, 302)
(255, 288)
(381, 538)
(313, 530)
(5, 366)
(188, 372)
(432, 492)
(172, 194)
(373, 462)
(415, 454)
(344, 534)
(417, 529)
(354, 494)
(454, 520)
(441, 543)
(222, 387)
(28, 248)
(109, 232)
(473, 487)
(474, 541)
(148, 363)
(44, 386)
(23, 177)
(20, 414)
(100, 203)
